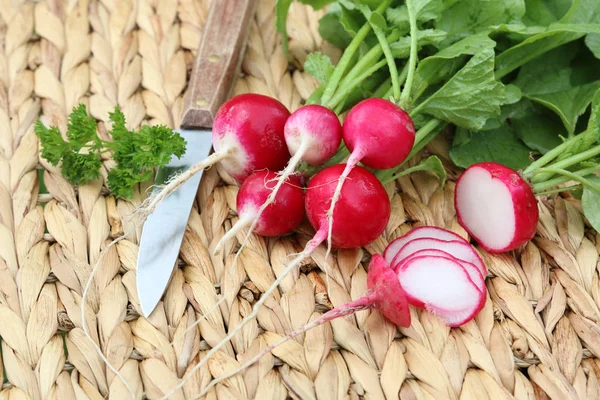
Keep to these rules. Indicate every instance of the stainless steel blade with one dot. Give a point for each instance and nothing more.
(163, 230)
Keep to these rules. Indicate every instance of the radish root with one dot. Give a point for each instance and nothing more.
(360, 304)
(310, 247)
(174, 183)
(289, 170)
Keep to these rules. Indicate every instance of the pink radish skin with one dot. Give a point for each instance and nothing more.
(314, 131)
(313, 134)
(363, 210)
(279, 218)
(472, 270)
(385, 294)
(431, 232)
(379, 134)
(249, 128)
(457, 249)
(443, 287)
(496, 206)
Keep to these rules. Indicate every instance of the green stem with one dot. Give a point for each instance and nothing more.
(426, 130)
(541, 186)
(571, 175)
(364, 64)
(340, 96)
(561, 189)
(390, 59)
(546, 158)
(382, 91)
(567, 162)
(419, 167)
(412, 61)
(362, 33)
(401, 79)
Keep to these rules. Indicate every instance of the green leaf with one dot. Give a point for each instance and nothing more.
(446, 62)
(81, 128)
(590, 202)
(540, 132)
(317, 4)
(543, 12)
(499, 145)
(427, 37)
(548, 81)
(319, 66)
(581, 12)
(79, 168)
(473, 16)
(592, 41)
(471, 96)
(434, 164)
(331, 28)
(425, 10)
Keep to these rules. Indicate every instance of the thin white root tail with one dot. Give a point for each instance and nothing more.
(350, 308)
(289, 169)
(334, 200)
(310, 247)
(150, 204)
(242, 223)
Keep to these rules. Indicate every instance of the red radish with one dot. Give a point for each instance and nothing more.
(443, 287)
(313, 134)
(247, 136)
(361, 216)
(279, 218)
(379, 134)
(472, 269)
(496, 206)
(457, 249)
(385, 294)
(431, 232)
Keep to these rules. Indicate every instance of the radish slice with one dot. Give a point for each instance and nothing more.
(443, 287)
(496, 206)
(457, 249)
(431, 232)
(472, 270)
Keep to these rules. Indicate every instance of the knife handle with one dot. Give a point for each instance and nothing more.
(218, 61)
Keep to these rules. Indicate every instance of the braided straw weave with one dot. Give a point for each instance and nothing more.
(538, 336)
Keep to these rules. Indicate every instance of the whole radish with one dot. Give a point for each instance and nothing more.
(312, 134)
(363, 211)
(247, 135)
(385, 294)
(496, 206)
(278, 218)
(379, 134)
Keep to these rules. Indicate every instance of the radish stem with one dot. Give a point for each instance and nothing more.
(571, 175)
(541, 186)
(412, 61)
(401, 79)
(352, 307)
(362, 33)
(340, 96)
(567, 162)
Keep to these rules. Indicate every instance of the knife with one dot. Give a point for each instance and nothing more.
(216, 66)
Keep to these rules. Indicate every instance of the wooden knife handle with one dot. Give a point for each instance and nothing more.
(218, 61)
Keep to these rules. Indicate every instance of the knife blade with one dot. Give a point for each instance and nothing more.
(216, 66)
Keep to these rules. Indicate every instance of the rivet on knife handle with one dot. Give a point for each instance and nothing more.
(219, 58)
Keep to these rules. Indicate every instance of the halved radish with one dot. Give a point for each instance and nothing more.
(443, 287)
(496, 206)
(456, 248)
(472, 269)
(432, 232)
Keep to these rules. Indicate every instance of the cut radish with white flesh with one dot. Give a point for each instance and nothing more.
(443, 287)
(456, 248)
(496, 206)
(471, 268)
(431, 232)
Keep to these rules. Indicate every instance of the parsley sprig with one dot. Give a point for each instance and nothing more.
(136, 154)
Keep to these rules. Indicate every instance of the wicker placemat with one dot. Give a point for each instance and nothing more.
(537, 337)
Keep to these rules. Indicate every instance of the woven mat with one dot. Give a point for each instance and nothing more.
(537, 337)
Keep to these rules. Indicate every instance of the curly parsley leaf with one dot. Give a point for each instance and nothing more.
(136, 154)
